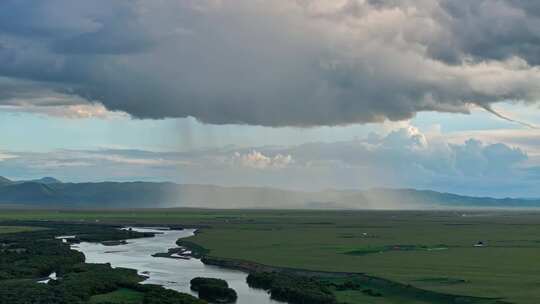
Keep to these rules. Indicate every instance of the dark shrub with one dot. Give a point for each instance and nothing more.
(291, 288)
(218, 294)
(213, 290)
(196, 283)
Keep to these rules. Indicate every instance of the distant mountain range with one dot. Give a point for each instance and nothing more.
(49, 192)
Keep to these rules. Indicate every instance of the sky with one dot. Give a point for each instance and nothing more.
(305, 94)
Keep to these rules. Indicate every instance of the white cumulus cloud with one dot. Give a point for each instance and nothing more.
(258, 160)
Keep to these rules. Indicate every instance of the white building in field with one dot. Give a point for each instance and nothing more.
(480, 244)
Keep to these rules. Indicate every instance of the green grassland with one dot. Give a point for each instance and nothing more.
(16, 229)
(120, 296)
(432, 250)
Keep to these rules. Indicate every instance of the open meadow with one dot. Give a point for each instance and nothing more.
(486, 254)
(16, 229)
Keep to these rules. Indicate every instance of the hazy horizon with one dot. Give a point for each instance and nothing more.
(52, 179)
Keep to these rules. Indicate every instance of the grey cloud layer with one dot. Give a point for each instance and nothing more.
(276, 63)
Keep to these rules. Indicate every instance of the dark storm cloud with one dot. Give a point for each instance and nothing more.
(491, 30)
(277, 63)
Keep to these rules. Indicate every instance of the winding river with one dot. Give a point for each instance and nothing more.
(170, 273)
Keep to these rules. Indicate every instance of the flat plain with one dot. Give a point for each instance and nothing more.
(488, 254)
(16, 229)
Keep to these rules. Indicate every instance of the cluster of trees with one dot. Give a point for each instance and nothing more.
(213, 290)
(36, 253)
(28, 256)
(33, 255)
(154, 294)
(292, 288)
(347, 285)
(28, 292)
(86, 281)
(199, 282)
(77, 285)
(352, 285)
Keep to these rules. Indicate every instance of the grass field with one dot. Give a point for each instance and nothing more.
(431, 250)
(15, 229)
(121, 296)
